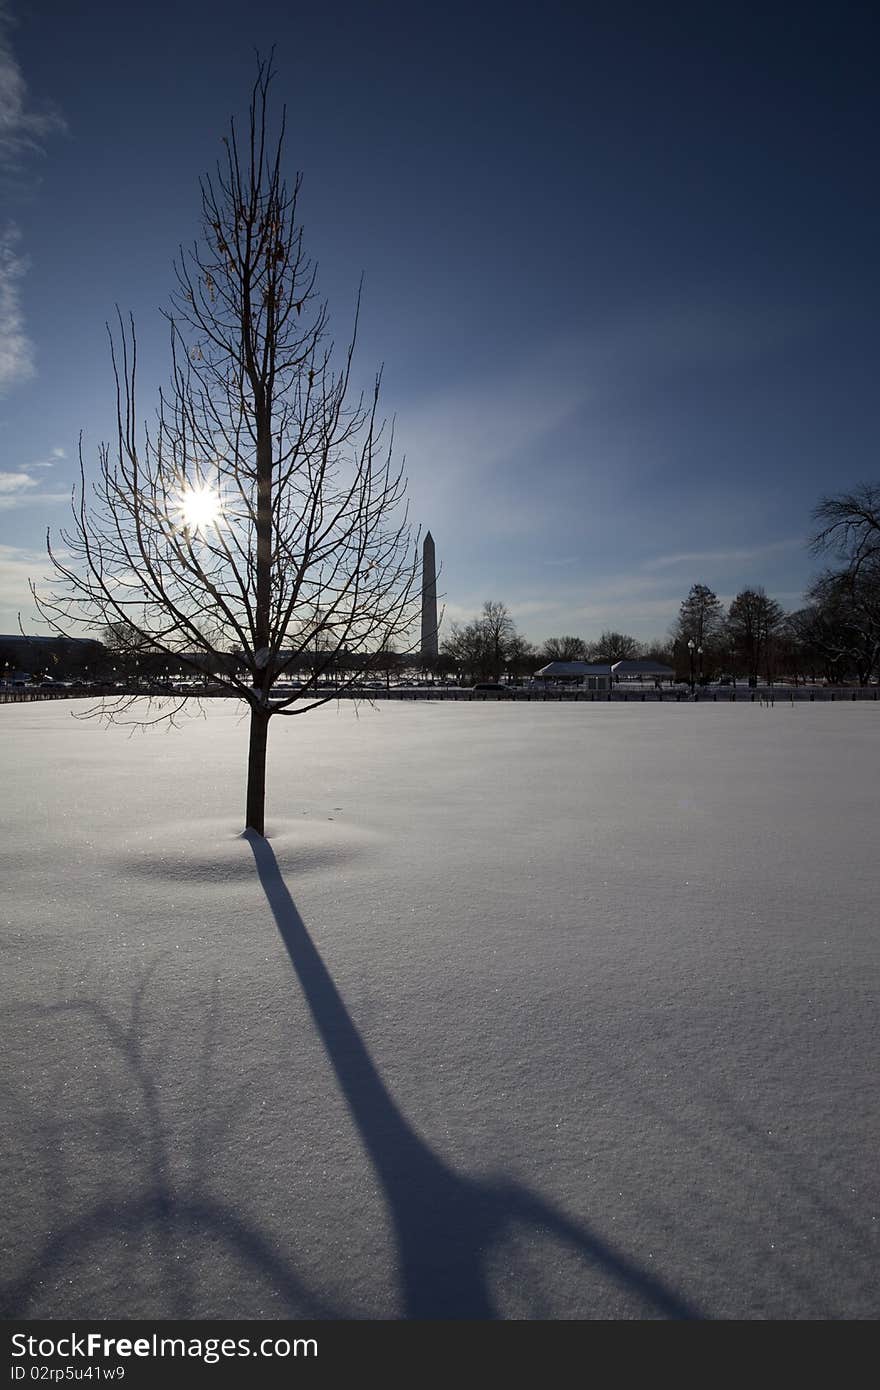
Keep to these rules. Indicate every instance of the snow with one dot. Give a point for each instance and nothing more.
(558, 1011)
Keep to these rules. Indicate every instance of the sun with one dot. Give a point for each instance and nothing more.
(200, 507)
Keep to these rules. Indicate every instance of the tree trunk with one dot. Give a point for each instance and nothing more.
(256, 782)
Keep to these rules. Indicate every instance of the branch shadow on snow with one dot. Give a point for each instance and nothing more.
(446, 1224)
(134, 1225)
(164, 1217)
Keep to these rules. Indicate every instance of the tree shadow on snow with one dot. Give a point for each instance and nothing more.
(446, 1224)
(160, 1215)
(126, 1182)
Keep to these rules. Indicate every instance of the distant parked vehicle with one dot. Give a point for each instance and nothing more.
(490, 690)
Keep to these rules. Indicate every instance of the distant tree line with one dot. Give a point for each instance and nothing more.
(490, 648)
(125, 658)
(835, 637)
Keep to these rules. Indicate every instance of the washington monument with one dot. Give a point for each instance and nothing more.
(429, 602)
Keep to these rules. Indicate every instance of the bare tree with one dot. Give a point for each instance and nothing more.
(843, 621)
(521, 657)
(698, 634)
(500, 631)
(483, 647)
(660, 650)
(752, 620)
(263, 517)
(700, 617)
(846, 602)
(849, 524)
(565, 648)
(614, 646)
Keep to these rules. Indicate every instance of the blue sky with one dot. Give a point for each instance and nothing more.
(619, 263)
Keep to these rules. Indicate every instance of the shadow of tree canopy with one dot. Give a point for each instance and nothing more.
(164, 1210)
(207, 1245)
(446, 1224)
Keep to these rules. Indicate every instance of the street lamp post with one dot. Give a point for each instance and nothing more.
(700, 655)
(691, 649)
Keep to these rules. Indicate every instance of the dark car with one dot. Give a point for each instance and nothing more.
(490, 691)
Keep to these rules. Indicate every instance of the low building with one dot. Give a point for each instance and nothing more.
(642, 672)
(585, 675)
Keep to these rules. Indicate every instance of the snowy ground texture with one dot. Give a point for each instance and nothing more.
(523, 1011)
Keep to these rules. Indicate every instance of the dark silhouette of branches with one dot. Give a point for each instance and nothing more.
(264, 515)
(613, 646)
(488, 645)
(566, 648)
(849, 525)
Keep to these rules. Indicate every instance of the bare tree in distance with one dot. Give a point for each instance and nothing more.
(849, 524)
(846, 601)
(565, 648)
(500, 631)
(752, 620)
(483, 647)
(700, 617)
(659, 650)
(843, 621)
(263, 518)
(614, 646)
(522, 656)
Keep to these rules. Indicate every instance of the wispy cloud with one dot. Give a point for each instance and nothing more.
(23, 128)
(458, 439)
(54, 456)
(711, 558)
(15, 482)
(16, 348)
(17, 490)
(34, 499)
(17, 567)
(476, 450)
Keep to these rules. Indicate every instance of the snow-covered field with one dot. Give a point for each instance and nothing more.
(524, 1011)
